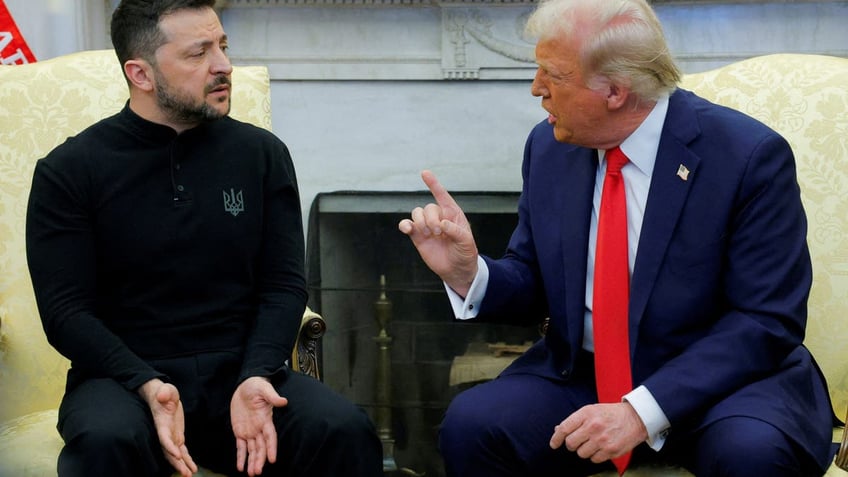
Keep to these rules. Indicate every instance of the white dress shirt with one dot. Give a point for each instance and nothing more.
(641, 148)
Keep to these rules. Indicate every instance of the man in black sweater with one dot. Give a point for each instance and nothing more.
(165, 245)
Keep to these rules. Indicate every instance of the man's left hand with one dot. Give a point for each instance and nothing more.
(251, 412)
(600, 432)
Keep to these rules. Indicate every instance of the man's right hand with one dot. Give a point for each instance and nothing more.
(443, 237)
(167, 409)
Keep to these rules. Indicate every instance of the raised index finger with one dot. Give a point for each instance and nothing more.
(443, 198)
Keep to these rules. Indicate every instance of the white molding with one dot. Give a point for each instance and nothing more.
(449, 41)
(427, 40)
(334, 40)
(364, 3)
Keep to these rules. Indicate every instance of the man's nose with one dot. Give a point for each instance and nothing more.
(221, 64)
(537, 88)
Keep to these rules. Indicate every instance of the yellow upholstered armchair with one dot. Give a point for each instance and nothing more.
(804, 98)
(41, 104)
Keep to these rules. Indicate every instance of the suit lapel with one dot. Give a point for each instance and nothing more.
(581, 167)
(674, 172)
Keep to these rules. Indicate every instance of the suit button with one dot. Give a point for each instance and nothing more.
(565, 373)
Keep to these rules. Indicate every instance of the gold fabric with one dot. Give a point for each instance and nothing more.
(41, 104)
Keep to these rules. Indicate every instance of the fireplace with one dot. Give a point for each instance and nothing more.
(361, 267)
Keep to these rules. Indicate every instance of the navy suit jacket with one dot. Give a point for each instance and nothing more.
(718, 295)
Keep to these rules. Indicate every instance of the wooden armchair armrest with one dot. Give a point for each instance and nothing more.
(305, 353)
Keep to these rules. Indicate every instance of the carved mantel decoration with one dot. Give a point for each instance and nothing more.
(383, 39)
(467, 30)
(427, 40)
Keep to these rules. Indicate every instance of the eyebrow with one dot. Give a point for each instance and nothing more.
(553, 71)
(205, 43)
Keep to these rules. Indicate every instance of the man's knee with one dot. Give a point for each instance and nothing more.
(346, 427)
(105, 426)
(331, 438)
(98, 446)
(105, 433)
(745, 447)
(468, 420)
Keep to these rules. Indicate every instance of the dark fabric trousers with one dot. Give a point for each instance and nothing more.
(109, 430)
(502, 428)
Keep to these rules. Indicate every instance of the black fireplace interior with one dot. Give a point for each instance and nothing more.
(352, 242)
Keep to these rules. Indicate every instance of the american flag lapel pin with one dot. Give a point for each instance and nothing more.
(683, 172)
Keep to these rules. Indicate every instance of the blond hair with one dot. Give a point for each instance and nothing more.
(621, 40)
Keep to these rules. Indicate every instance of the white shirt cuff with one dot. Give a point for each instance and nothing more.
(651, 414)
(467, 308)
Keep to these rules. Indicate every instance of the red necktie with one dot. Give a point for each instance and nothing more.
(611, 291)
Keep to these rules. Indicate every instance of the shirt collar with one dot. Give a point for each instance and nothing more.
(642, 145)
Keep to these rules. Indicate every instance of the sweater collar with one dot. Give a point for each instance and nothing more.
(150, 130)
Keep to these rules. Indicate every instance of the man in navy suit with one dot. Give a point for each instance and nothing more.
(719, 274)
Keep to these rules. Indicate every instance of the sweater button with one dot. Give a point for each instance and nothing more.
(180, 188)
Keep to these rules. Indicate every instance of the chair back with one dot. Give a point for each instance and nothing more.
(805, 99)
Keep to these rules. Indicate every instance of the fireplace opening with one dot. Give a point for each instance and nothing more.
(392, 346)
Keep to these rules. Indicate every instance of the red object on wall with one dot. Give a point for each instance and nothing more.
(13, 48)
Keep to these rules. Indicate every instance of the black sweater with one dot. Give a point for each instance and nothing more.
(145, 244)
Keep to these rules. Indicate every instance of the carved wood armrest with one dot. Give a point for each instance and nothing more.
(842, 456)
(305, 353)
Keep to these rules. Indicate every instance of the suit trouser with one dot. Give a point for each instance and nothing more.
(502, 428)
(108, 430)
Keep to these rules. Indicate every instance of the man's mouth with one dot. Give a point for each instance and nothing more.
(221, 85)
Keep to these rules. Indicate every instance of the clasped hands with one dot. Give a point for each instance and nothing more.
(443, 238)
(251, 411)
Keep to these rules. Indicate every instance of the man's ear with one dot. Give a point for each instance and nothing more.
(616, 96)
(140, 74)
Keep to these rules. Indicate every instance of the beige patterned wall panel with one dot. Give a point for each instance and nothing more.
(42, 104)
(805, 98)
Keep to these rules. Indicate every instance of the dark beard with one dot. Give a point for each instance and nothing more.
(182, 111)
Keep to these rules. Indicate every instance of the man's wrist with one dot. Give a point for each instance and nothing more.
(651, 415)
(148, 390)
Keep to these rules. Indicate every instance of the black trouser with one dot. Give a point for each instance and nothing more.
(108, 430)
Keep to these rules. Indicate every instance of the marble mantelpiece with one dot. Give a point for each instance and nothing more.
(483, 39)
